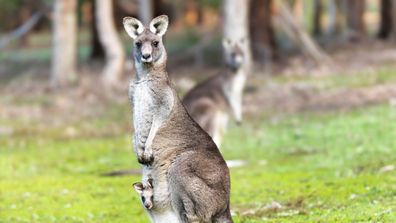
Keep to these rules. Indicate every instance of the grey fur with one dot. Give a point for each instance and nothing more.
(191, 181)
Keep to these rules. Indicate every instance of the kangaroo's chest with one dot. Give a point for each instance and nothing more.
(235, 85)
(143, 103)
(233, 88)
(151, 101)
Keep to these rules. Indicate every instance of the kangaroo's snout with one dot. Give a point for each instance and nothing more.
(146, 56)
(147, 52)
(148, 205)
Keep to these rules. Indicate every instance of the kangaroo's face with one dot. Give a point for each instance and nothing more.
(234, 56)
(148, 47)
(146, 193)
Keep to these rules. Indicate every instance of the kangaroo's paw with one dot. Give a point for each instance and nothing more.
(146, 158)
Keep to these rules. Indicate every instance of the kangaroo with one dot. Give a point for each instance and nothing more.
(191, 181)
(211, 102)
(146, 193)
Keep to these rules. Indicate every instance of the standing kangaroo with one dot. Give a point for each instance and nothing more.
(189, 177)
(211, 102)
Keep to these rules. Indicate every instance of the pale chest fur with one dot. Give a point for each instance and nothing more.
(238, 83)
(143, 102)
(151, 103)
(233, 90)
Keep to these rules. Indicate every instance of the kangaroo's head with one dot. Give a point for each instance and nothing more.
(146, 193)
(148, 51)
(233, 53)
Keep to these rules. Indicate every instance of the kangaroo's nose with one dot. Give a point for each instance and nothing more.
(146, 56)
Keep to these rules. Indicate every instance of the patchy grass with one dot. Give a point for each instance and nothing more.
(318, 167)
(352, 80)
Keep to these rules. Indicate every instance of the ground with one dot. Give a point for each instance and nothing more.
(309, 166)
(333, 167)
(319, 146)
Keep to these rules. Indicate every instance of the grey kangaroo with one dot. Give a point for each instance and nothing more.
(190, 178)
(211, 102)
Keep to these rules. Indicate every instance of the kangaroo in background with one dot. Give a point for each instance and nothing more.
(190, 179)
(211, 102)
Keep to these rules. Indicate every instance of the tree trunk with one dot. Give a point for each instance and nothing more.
(393, 8)
(317, 17)
(336, 17)
(25, 12)
(355, 21)
(115, 56)
(236, 26)
(386, 19)
(64, 42)
(261, 30)
(145, 11)
(97, 50)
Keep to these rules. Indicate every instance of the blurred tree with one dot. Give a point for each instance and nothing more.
(108, 36)
(336, 16)
(317, 17)
(236, 26)
(8, 10)
(146, 11)
(64, 42)
(261, 30)
(394, 20)
(25, 12)
(193, 13)
(386, 19)
(97, 50)
(166, 7)
(355, 21)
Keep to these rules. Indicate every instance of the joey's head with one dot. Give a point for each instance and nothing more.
(233, 53)
(148, 49)
(146, 193)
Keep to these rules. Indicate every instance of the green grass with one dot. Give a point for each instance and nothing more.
(353, 80)
(319, 167)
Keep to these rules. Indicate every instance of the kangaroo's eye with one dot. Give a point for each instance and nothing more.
(155, 43)
(138, 44)
(143, 199)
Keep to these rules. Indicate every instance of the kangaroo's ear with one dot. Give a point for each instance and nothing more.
(138, 187)
(150, 182)
(159, 25)
(133, 27)
(226, 42)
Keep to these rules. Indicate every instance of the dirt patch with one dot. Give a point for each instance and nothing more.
(294, 98)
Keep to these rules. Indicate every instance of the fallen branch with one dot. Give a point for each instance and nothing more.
(296, 33)
(21, 30)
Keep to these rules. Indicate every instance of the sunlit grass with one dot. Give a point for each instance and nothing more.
(319, 167)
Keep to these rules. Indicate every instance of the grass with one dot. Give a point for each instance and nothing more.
(385, 75)
(319, 167)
